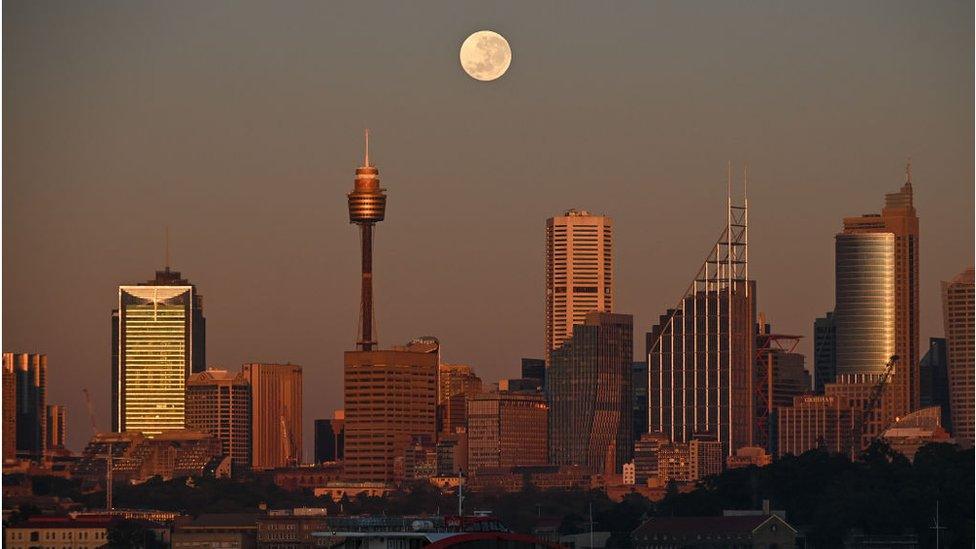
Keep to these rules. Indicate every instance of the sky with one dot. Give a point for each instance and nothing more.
(239, 125)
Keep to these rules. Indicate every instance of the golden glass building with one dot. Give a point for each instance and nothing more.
(158, 341)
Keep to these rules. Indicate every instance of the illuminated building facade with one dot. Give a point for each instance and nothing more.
(815, 421)
(158, 340)
(958, 298)
(589, 391)
(219, 403)
(30, 398)
(276, 414)
(579, 272)
(507, 429)
(701, 353)
(57, 427)
(456, 379)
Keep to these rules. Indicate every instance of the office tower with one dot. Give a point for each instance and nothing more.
(815, 421)
(507, 429)
(219, 403)
(330, 437)
(898, 219)
(701, 353)
(589, 392)
(9, 410)
(57, 426)
(579, 272)
(452, 414)
(957, 314)
(865, 302)
(276, 414)
(30, 393)
(367, 206)
(690, 461)
(779, 376)
(933, 375)
(452, 454)
(534, 368)
(824, 351)
(456, 379)
(638, 377)
(158, 340)
(378, 430)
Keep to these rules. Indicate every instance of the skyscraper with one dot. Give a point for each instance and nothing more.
(507, 429)
(958, 298)
(579, 272)
(865, 303)
(701, 353)
(219, 403)
(933, 371)
(534, 368)
(158, 340)
(276, 414)
(824, 351)
(30, 393)
(456, 379)
(898, 218)
(9, 410)
(390, 396)
(57, 427)
(589, 392)
(639, 379)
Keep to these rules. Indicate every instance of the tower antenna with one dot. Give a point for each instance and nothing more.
(366, 161)
(167, 248)
(908, 171)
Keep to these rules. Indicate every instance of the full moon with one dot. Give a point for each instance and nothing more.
(485, 55)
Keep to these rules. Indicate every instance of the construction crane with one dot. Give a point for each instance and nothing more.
(286, 444)
(107, 457)
(860, 426)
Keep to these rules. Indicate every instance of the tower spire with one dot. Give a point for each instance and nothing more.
(167, 248)
(908, 171)
(366, 160)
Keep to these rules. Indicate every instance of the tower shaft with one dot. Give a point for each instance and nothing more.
(366, 340)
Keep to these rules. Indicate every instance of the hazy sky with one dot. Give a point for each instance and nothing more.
(240, 126)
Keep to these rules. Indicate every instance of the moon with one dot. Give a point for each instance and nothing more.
(485, 55)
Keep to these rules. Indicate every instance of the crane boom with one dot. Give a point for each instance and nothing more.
(860, 426)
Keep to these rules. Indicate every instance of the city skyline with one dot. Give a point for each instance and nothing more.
(235, 232)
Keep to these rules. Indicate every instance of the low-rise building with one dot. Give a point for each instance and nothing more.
(750, 531)
(915, 430)
(224, 530)
(748, 455)
(307, 477)
(58, 531)
(137, 458)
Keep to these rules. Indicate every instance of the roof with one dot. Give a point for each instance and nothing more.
(705, 525)
(221, 520)
(40, 522)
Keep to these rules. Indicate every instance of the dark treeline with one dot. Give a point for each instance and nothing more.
(826, 497)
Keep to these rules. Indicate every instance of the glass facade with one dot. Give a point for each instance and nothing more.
(865, 302)
(154, 343)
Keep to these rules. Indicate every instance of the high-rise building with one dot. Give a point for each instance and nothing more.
(507, 429)
(390, 397)
(701, 353)
(158, 340)
(638, 377)
(330, 437)
(534, 368)
(958, 319)
(690, 461)
(57, 427)
(9, 410)
(824, 351)
(456, 379)
(815, 421)
(589, 392)
(579, 272)
(452, 414)
(933, 373)
(30, 393)
(646, 450)
(862, 284)
(276, 414)
(865, 302)
(219, 403)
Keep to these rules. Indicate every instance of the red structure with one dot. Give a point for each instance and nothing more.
(767, 347)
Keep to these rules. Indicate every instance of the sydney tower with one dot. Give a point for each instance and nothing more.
(367, 204)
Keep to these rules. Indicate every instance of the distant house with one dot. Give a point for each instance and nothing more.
(751, 531)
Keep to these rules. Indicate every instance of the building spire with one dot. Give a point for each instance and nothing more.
(167, 248)
(366, 161)
(908, 171)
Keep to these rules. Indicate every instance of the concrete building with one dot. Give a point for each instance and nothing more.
(589, 392)
(158, 340)
(861, 331)
(330, 437)
(219, 403)
(390, 397)
(30, 398)
(452, 415)
(933, 372)
(224, 530)
(9, 410)
(507, 429)
(456, 379)
(276, 414)
(824, 351)
(58, 531)
(646, 452)
(815, 421)
(137, 458)
(452, 454)
(747, 456)
(57, 428)
(958, 319)
(689, 461)
(579, 272)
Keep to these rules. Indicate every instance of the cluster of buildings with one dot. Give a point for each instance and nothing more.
(717, 386)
